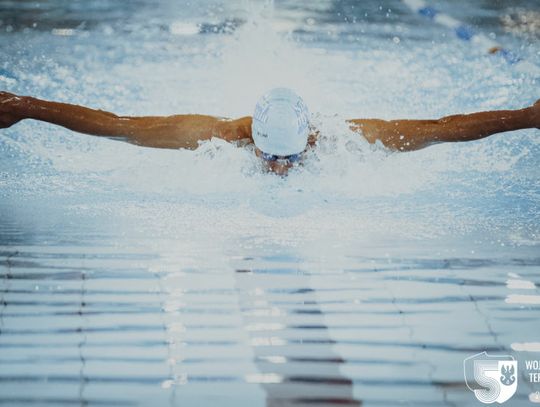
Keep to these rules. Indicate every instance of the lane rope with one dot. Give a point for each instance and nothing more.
(468, 34)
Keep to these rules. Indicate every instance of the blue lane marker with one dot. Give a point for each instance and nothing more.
(464, 33)
(428, 12)
(467, 33)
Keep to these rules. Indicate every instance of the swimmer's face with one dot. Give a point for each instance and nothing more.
(278, 165)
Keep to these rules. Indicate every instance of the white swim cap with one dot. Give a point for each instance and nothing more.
(280, 123)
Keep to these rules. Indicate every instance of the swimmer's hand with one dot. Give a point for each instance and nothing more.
(535, 110)
(9, 104)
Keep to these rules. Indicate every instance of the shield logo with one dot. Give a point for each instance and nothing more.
(492, 378)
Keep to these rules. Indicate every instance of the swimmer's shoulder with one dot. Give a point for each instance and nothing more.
(237, 130)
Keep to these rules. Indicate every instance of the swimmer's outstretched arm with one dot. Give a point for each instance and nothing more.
(179, 131)
(409, 135)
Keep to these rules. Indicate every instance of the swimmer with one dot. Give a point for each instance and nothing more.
(280, 127)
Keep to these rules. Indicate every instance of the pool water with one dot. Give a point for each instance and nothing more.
(133, 276)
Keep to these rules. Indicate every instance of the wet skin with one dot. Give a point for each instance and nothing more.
(186, 131)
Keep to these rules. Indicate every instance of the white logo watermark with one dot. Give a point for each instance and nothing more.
(492, 378)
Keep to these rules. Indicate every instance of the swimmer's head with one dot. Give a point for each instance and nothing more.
(280, 126)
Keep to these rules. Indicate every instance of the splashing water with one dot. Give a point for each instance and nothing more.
(470, 185)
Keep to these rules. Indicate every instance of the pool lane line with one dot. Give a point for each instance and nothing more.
(285, 372)
(466, 33)
(6, 284)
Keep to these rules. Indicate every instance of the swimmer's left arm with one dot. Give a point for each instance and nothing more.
(409, 135)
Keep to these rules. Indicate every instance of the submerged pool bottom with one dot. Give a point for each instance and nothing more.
(124, 315)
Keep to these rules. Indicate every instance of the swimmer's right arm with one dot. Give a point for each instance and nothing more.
(178, 131)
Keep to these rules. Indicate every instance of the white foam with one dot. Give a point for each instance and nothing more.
(425, 193)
